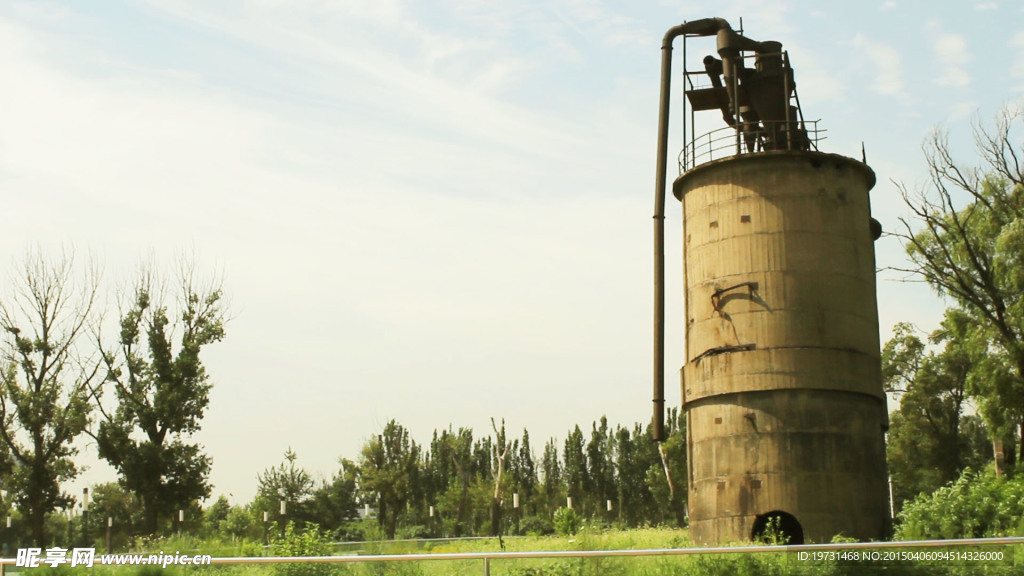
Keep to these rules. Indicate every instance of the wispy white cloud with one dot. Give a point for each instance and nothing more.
(951, 55)
(1017, 68)
(887, 63)
(887, 6)
(604, 25)
(390, 80)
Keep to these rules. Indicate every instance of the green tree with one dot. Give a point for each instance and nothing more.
(931, 438)
(667, 478)
(162, 395)
(452, 470)
(574, 469)
(387, 469)
(111, 500)
(637, 466)
(965, 238)
(334, 501)
(46, 379)
(901, 358)
(287, 483)
(242, 523)
(552, 485)
(600, 468)
(523, 472)
(215, 515)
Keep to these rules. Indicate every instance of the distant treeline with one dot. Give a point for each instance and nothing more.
(461, 484)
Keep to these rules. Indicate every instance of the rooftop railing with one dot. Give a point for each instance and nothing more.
(728, 141)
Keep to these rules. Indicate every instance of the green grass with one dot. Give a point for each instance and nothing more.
(589, 539)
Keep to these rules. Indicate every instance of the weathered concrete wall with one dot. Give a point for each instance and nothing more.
(782, 384)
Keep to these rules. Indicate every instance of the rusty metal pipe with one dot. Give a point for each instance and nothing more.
(658, 422)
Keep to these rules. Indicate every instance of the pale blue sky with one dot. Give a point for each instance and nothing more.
(435, 211)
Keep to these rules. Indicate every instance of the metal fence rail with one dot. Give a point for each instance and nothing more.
(749, 549)
(487, 557)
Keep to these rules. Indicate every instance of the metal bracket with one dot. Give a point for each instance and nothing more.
(716, 298)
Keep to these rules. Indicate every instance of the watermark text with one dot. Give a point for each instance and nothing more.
(56, 556)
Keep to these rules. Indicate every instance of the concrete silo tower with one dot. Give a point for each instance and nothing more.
(781, 385)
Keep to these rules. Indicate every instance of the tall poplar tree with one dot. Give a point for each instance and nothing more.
(162, 393)
(574, 469)
(388, 467)
(552, 481)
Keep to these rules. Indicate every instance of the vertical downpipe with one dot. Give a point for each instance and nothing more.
(785, 97)
(658, 423)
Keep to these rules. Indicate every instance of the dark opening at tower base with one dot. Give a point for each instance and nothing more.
(777, 527)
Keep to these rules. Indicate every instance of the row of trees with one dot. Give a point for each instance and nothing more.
(139, 390)
(458, 485)
(461, 485)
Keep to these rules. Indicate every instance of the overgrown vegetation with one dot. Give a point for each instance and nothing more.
(307, 542)
(975, 505)
(589, 537)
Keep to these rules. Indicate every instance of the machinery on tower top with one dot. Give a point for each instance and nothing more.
(759, 102)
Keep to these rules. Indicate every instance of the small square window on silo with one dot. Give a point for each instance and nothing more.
(745, 218)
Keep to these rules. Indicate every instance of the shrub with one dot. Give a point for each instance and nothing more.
(567, 522)
(975, 505)
(536, 526)
(412, 532)
(309, 542)
(242, 523)
(773, 534)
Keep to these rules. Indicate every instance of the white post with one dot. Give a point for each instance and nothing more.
(515, 500)
(892, 503)
(568, 501)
